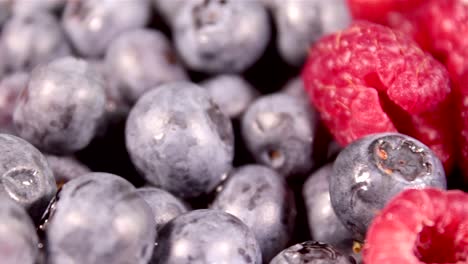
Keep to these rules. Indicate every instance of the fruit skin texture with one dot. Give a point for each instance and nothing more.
(370, 79)
(99, 218)
(26, 177)
(207, 236)
(18, 238)
(380, 11)
(372, 170)
(66, 168)
(311, 252)
(221, 36)
(396, 234)
(180, 140)
(10, 88)
(259, 197)
(60, 110)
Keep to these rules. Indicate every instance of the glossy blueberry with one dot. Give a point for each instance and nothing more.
(207, 236)
(61, 107)
(164, 205)
(232, 93)
(99, 218)
(179, 139)
(311, 252)
(219, 36)
(10, 89)
(26, 176)
(168, 9)
(324, 225)
(92, 25)
(140, 60)
(66, 168)
(372, 170)
(259, 197)
(24, 49)
(18, 238)
(279, 131)
(302, 23)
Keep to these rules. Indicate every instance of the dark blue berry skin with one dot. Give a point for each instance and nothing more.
(311, 252)
(18, 238)
(26, 176)
(180, 140)
(302, 23)
(99, 218)
(92, 25)
(10, 89)
(324, 225)
(371, 171)
(206, 236)
(24, 49)
(62, 106)
(279, 131)
(140, 60)
(259, 197)
(66, 168)
(164, 205)
(221, 36)
(232, 93)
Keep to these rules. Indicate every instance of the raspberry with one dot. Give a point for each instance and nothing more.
(369, 79)
(379, 11)
(420, 226)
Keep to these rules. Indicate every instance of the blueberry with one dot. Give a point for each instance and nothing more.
(140, 60)
(217, 36)
(26, 176)
(259, 197)
(61, 107)
(168, 9)
(179, 139)
(32, 6)
(18, 238)
(92, 25)
(372, 170)
(324, 225)
(207, 236)
(232, 93)
(10, 88)
(311, 252)
(24, 49)
(279, 131)
(66, 168)
(164, 205)
(302, 23)
(99, 218)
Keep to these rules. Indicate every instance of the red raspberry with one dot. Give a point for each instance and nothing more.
(379, 11)
(369, 79)
(420, 226)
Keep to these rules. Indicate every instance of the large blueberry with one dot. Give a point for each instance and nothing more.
(99, 218)
(372, 170)
(302, 23)
(23, 47)
(18, 238)
(206, 236)
(232, 93)
(61, 107)
(279, 131)
(92, 25)
(140, 60)
(259, 197)
(311, 252)
(179, 139)
(25, 175)
(221, 35)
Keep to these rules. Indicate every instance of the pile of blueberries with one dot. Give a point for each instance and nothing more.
(178, 131)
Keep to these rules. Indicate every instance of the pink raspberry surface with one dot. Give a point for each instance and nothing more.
(420, 226)
(379, 10)
(370, 79)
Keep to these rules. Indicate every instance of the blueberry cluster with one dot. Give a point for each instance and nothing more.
(177, 131)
